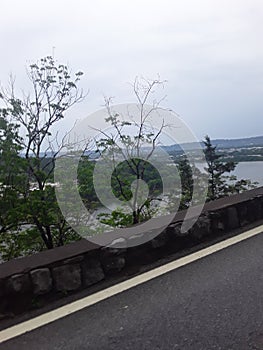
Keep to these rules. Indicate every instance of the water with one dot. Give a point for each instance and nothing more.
(245, 170)
(250, 170)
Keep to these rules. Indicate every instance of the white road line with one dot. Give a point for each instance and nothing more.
(75, 306)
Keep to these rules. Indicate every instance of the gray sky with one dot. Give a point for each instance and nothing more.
(210, 52)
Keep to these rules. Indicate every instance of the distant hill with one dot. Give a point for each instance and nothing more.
(222, 144)
(239, 143)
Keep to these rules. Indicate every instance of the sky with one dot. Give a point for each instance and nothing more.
(209, 51)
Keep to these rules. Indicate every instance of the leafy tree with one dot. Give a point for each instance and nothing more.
(13, 240)
(29, 147)
(11, 181)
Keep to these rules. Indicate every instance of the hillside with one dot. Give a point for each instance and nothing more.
(249, 142)
(239, 143)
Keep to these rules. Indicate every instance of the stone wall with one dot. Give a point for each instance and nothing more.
(26, 283)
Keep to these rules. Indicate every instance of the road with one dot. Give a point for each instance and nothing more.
(213, 303)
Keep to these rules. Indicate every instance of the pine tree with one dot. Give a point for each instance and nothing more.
(221, 184)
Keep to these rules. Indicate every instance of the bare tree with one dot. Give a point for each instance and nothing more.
(134, 140)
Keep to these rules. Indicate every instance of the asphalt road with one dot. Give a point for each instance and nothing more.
(213, 303)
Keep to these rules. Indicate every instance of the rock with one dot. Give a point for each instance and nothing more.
(41, 280)
(67, 277)
(92, 272)
(19, 283)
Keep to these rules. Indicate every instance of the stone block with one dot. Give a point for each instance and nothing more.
(160, 241)
(92, 272)
(243, 214)
(202, 227)
(254, 209)
(67, 277)
(218, 223)
(41, 280)
(19, 283)
(232, 218)
(113, 264)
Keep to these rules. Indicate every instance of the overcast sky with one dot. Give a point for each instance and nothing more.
(210, 51)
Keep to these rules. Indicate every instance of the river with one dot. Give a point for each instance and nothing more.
(245, 170)
(250, 170)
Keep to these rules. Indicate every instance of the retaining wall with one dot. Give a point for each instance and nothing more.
(26, 282)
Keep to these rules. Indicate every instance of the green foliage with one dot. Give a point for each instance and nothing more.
(16, 243)
(220, 184)
(117, 218)
(128, 171)
(30, 217)
(216, 169)
(12, 180)
(85, 183)
(187, 182)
